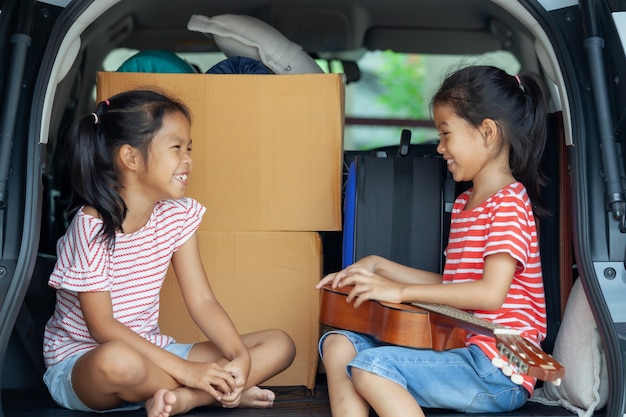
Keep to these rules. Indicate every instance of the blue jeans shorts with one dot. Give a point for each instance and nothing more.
(58, 379)
(461, 379)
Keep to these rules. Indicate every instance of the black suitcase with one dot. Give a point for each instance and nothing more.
(398, 207)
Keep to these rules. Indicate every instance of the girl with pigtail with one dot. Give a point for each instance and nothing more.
(492, 132)
(129, 162)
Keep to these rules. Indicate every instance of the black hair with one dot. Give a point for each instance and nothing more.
(516, 103)
(129, 118)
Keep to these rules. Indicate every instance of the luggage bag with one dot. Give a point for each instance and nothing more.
(398, 207)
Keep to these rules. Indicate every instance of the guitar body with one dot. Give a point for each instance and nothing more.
(397, 324)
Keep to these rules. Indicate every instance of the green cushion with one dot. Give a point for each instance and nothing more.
(156, 61)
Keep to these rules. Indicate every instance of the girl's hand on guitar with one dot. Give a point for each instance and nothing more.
(330, 278)
(369, 286)
(367, 263)
(337, 279)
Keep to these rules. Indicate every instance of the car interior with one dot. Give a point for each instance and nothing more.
(361, 39)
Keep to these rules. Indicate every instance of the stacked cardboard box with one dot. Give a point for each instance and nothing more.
(267, 152)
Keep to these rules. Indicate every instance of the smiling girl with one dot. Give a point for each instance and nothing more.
(492, 132)
(130, 161)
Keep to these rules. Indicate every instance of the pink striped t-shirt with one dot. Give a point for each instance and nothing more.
(133, 273)
(504, 223)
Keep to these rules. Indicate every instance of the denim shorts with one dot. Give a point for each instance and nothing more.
(58, 379)
(461, 379)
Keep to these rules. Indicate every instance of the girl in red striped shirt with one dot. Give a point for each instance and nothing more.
(492, 132)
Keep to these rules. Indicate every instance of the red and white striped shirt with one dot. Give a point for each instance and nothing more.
(504, 223)
(132, 272)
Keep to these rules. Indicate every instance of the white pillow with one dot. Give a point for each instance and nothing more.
(240, 35)
(577, 347)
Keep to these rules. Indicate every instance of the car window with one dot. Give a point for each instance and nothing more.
(392, 92)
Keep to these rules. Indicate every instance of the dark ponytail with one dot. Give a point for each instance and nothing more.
(517, 104)
(131, 118)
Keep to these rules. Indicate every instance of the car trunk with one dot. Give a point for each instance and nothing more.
(57, 86)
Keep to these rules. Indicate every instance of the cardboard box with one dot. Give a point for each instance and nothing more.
(263, 280)
(267, 149)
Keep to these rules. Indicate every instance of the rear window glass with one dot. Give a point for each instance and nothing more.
(394, 93)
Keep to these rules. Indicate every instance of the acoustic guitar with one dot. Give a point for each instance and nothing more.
(438, 327)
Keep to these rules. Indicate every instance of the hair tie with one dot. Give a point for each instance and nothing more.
(106, 100)
(519, 83)
(95, 118)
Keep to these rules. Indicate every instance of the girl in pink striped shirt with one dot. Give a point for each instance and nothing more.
(492, 132)
(130, 161)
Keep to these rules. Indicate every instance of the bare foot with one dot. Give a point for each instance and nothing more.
(161, 404)
(255, 397)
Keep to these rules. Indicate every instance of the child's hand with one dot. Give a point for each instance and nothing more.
(233, 398)
(330, 278)
(208, 377)
(372, 287)
(239, 370)
(364, 267)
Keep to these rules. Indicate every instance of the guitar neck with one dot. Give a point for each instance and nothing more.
(460, 318)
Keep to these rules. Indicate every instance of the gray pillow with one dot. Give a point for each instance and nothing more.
(577, 347)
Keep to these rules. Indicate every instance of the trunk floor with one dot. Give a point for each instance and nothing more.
(290, 401)
(296, 401)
